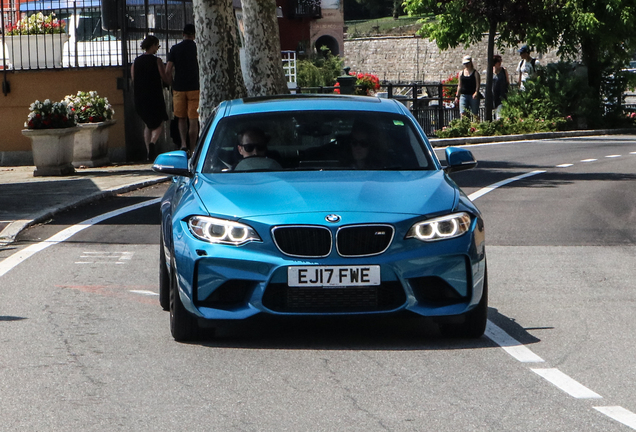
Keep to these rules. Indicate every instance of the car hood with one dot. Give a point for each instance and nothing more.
(241, 195)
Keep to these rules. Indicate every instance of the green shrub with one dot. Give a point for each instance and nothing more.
(319, 70)
(558, 92)
(467, 126)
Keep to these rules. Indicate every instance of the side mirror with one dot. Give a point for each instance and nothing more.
(459, 159)
(173, 163)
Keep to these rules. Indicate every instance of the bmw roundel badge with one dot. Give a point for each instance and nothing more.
(333, 218)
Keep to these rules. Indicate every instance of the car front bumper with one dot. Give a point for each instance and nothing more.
(437, 279)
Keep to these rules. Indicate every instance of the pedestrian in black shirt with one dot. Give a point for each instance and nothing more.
(500, 83)
(147, 73)
(185, 86)
(468, 88)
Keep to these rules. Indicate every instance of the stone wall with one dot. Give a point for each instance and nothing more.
(411, 58)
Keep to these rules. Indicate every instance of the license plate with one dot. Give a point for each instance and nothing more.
(333, 276)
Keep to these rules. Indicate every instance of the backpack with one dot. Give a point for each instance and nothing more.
(532, 62)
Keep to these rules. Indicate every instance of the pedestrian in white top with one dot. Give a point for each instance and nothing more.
(527, 67)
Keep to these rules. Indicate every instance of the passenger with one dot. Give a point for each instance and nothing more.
(364, 148)
(252, 146)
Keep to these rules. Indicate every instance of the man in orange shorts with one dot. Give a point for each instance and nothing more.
(185, 86)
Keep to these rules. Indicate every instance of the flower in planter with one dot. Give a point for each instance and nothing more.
(366, 83)
(37, 24)
(49, 115)
(449, 86)
(89, 107)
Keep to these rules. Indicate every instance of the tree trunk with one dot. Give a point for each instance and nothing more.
(263, 71)
(397, 4)
(590, 58)
(491, 51)
(220, 76)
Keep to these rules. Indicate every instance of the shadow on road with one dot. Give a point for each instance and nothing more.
(395, 333)
(489, 173)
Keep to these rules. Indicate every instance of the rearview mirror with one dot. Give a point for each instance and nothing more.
(459, 159)
(173, 163)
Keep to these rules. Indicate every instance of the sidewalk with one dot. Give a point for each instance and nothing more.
(26, 200)
(444, 142)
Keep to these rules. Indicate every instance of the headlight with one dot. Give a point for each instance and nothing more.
(221, 231)
(440, 228)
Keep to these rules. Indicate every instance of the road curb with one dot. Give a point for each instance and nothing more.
(11, 231)
(446, 142)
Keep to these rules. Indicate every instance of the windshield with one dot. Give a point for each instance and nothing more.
(315, 140)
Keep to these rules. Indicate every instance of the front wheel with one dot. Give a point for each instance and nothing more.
(475, 321)
(164, 277)
(183, 325)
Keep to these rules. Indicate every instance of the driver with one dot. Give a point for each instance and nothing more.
(252, 145)
(252, 142)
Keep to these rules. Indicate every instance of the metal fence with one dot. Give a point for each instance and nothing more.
(425, 100)
(80, 38)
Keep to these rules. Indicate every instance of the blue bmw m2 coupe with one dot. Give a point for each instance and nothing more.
(311, 205)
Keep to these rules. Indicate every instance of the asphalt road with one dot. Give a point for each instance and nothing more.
(85, 345)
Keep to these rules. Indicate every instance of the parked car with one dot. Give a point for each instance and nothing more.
(334, 205)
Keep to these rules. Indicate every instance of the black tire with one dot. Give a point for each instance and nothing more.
(475, 321)
(164, 277)
(183, 325)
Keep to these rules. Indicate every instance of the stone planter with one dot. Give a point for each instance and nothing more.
(91, 144)
(36, 51)
(52, 150)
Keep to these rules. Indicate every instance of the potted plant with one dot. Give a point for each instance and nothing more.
(366, 83)
(94, 116)
(51, 127)
(31, 37)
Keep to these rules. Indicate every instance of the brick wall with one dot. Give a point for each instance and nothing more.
(410, 58)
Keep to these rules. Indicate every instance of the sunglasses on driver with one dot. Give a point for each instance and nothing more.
(250, 147)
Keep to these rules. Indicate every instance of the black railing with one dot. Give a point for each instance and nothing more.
(305, 9)
(425, 100)
(81, 40)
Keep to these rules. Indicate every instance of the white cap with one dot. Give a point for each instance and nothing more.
(467, 59)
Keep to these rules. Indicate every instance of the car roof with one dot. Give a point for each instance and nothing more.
(310, 102)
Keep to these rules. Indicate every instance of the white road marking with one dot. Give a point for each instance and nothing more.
(567, 384)
(483, 191)
(612, 156)
(511, 345)
(13, 260)
(632, 152)
(589, 160)
(144, 292)
(564, 165)
(109, 257)
(619, 414)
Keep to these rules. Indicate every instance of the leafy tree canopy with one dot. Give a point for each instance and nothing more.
(598, 32)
